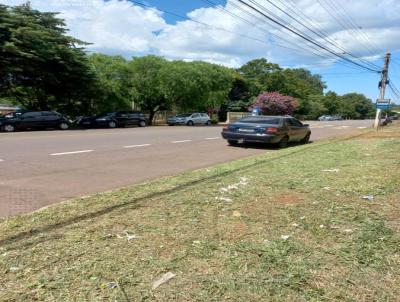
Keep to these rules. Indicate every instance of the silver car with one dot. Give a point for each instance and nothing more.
(190, 119)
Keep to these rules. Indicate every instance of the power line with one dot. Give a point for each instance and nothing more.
(236, 16)
(211, 26)
(311, 48)
(329, 8)
(304, 34)
(305, 37)
(316, 31)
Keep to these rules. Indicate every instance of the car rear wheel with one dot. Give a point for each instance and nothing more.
(142, 124)
(190, 123)
(232, 142)
(208, 123)
(112, 124)
(64, 126)
(284, 142)
(9, 128)
(306, 139)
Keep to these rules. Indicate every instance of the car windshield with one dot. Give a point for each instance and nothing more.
(183, 115)
(264, 120)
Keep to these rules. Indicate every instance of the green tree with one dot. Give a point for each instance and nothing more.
(42, 67)
(356, 106)
(196, 85)
(146, 83)
(113, 92)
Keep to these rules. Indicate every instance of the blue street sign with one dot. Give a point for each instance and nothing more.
(382, 106)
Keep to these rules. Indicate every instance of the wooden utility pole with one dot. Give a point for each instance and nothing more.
(382, 85)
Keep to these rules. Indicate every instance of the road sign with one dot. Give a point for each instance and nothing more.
(383, 104)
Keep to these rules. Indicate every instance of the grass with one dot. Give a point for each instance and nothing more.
(220, 231)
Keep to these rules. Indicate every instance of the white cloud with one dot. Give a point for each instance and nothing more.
(116, 27)
(120, 27)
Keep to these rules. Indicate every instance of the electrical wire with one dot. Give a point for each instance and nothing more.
(312, 28)
(305, 37)
(311, 48)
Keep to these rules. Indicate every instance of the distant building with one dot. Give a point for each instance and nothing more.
(5, 109)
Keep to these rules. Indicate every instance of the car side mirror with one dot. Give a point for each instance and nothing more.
(306, 125)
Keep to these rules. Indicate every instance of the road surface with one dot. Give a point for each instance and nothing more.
(44, 167)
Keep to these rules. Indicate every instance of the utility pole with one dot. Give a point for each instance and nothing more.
(382, 85)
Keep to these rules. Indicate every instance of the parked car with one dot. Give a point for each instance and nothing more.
(267, 129)
(337, 118)
(326, 118)
(113, 120)
(190, 119)
(24, 120)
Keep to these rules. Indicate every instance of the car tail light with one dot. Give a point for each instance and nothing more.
(271, 130)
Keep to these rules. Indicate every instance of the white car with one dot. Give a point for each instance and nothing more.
(190, 119)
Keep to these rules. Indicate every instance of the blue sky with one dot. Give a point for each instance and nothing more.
(120, 27)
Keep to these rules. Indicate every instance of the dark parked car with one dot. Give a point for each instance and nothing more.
(267, 129)
(113, 120)
(23, 120)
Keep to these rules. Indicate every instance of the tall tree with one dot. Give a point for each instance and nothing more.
(145, 82)
(196, 85)
(43, 67)
(113, 91)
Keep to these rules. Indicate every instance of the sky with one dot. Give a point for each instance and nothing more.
(229, 33)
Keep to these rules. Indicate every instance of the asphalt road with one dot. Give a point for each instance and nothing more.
(44, 167)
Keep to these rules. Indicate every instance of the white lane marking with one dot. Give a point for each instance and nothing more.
(211, 138)
(73, 152)
(361, 127)
(1, 160)
(345, 126)
(137, 146)
(179, 142)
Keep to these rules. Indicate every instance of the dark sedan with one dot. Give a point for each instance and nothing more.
(23, 120)
(113, 120)
(267, 129)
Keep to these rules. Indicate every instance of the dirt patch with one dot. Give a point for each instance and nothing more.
(289, 199)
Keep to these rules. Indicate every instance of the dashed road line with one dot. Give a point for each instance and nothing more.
(212, 138)
(73, 152)
(362, 127)
(1, 160)
(137, 146)
(179, 142)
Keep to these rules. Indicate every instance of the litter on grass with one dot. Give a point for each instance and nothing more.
(243, 181)
(164, 278)
(128, 236)
(112, 285)
(331, 170)
(226, 199)
(285, 237)
(368, 197)
(14, 269)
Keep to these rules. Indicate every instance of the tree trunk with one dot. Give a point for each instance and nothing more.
(152, 113)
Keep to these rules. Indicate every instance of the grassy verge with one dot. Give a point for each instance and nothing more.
(289, 225)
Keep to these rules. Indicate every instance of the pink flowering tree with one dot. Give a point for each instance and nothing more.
(274, 103)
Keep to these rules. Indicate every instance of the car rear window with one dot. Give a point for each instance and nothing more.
(265, 120)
